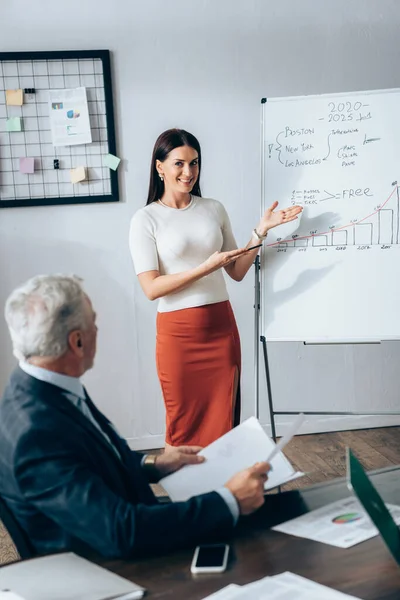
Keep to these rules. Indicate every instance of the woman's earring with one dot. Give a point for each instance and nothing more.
(162, 178)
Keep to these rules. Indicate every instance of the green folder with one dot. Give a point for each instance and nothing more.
(359, 482)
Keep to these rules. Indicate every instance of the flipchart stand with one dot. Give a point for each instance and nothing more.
(261, 339)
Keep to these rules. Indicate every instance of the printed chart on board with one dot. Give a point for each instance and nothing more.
(334, 273)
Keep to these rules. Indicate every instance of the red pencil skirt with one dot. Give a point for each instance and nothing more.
(198, 356)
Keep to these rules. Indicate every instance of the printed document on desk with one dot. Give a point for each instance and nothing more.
(238, 449)
(286, 586)
(343, 524)
(65, 577)
(9, 595)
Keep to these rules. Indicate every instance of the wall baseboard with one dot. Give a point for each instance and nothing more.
(314, 424)
(326, 423)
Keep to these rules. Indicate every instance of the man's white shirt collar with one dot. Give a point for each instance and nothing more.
(72, 385)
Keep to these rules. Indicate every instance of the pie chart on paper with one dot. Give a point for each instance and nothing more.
(346, 518)
(73, 114)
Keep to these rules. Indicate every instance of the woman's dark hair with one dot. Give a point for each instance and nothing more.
(167, 141)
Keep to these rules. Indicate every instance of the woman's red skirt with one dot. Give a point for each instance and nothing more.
(198, 361)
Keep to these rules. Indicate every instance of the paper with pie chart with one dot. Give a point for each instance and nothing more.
(343, 524)
(69, 117)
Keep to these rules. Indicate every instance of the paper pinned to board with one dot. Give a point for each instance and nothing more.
(238, 449)
(69, 117)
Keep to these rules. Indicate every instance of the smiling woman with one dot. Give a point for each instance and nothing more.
(179, 244)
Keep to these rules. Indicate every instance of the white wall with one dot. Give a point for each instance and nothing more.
(203, 66)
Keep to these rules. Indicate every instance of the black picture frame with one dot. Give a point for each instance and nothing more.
(104, 56)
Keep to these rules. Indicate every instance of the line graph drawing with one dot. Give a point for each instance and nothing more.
(384, 229)
(337, 153)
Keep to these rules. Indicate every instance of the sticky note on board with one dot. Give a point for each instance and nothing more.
(14, 124)
(27, 165)
(14, 97)
(78, 174)
(111, 161)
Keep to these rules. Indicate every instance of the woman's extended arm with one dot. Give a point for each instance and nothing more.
(238, 268)
(155, 285)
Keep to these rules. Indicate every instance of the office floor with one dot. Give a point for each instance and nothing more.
(322, 455)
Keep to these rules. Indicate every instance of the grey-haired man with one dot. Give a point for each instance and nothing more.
(70, 480)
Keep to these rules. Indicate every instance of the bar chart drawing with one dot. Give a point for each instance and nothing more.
(381, 227)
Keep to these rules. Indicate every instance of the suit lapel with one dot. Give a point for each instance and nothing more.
(131, 461)
(79, 417)
(55, 396)
(129, 465)
(105, 425)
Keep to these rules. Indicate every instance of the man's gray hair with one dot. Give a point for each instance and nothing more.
(42, 312)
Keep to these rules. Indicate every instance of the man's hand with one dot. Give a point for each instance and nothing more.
(248, 487)
(177, 457)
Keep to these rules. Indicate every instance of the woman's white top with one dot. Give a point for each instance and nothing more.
(172, 240)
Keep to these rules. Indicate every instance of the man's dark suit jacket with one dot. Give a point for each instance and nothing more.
(68, 489)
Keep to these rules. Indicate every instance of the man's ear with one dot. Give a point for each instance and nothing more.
(75, 342)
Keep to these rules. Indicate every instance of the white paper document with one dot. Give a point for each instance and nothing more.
(226, 593)
(69, 117)
(238, 449)
(65, 577)
(9, 595)
(343, 524)
(291, 432)
(286, 586)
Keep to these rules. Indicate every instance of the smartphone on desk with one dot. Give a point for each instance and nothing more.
(210, 558)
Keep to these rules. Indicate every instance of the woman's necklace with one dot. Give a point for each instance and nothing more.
(167, 205)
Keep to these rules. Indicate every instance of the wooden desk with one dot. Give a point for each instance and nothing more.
(366, 570)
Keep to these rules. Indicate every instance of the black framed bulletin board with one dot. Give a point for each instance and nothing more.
(57, 131)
